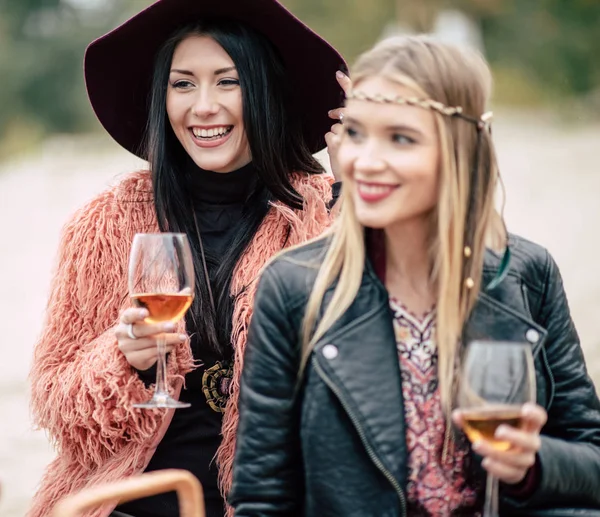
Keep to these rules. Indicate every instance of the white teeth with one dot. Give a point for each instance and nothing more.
(210, 133)
(375, 189)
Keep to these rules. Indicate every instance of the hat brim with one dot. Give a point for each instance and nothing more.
(118, 66)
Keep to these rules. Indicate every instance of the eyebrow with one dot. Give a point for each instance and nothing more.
(217, 72)
(224, 70)
(401, 127)
(182, 72)
(397, 127)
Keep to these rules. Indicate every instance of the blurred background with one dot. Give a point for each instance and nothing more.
(54, 155)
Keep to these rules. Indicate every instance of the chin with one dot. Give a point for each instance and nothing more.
(373, 218)
(215, 165)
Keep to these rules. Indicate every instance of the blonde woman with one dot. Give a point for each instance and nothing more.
(349, 373)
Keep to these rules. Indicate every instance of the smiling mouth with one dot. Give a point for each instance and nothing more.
(212, 134)
(375, 189)
(373, 192)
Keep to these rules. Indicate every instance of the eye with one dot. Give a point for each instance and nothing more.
(351, 132)
(229, 82)
(182, 84)
(402, 139)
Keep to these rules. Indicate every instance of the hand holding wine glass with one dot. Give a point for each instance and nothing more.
(141, 352)
(511, 465)
(161, 287)
(498, 413)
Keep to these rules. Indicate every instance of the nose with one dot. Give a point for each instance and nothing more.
(369, 159)
(205, 104)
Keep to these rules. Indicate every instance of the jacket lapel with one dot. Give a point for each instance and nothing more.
(358, 359)
(495, 321)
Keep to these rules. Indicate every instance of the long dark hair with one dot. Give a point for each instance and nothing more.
(277, 146)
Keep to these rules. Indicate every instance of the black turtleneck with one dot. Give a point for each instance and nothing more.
(219, 200)
(194, 434)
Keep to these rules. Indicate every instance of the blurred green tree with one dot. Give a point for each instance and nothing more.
(556, 40)
(42, 43)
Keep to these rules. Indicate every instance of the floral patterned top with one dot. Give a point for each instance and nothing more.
(436, 487)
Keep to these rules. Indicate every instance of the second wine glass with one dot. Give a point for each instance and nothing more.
(497, 378)
(161, 280)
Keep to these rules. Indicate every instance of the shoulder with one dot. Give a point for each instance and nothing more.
(129, 188)
(113, 215)
(116, 201)
(530, 263)
(292, 273)
(533, 278)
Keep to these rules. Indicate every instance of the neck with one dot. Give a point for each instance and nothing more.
(221, 188)
(408, 267)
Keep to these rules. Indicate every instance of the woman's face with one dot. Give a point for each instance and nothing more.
(389, 157)
(204, 105)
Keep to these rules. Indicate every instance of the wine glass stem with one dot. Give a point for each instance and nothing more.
(491, 497)
(161, 366)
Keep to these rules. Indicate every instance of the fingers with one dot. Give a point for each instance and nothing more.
(337, 129)
(332, 139)
(142, 330)
(504, 472)
(336, 113)
(511, 466)
(519, 438)
(344, 81)
(142, 353)
(457, 418)
(516, 458)
(133, 315)
(144, 359)
(346, 85)
(534, 417)
(135, 345)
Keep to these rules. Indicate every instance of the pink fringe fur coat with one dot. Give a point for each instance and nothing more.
(82, 386)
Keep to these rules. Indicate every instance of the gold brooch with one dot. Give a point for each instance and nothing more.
(216, 382)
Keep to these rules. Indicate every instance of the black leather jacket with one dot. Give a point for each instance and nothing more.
(336, 447)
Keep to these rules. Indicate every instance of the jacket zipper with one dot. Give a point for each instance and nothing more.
(361, 434)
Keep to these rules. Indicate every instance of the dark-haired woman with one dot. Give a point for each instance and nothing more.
(228, 115)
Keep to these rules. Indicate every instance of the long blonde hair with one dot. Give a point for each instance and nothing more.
(465, 220)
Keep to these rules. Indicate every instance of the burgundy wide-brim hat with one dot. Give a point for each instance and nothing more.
(118, 66)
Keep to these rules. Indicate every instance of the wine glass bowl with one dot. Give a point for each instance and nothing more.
(163, 307)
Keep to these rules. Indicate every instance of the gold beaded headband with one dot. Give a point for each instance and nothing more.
(451, 111)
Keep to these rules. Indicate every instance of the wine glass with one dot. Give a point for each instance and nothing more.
(161, 280)
(497, 378)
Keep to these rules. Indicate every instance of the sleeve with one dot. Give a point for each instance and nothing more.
(267, 477)
(82, 388)
(569, 458)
